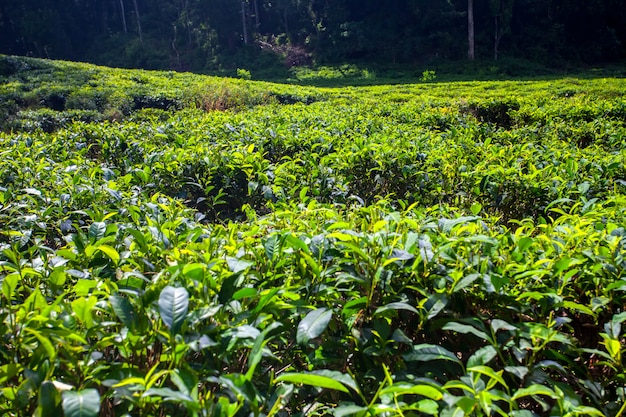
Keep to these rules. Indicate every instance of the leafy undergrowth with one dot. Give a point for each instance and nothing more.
(434, 249)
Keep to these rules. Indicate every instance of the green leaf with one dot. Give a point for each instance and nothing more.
(265, 299)
(168, 394)
(395, 306)
(244, 293)
(49, 400)
(482, 356)
(35, 301)
(582, 410)
(427, 352)
(97, 231)
(82, 307)
(32, 191)
(487, 371)
(524, 243)
(401, 255)
(43, 342)
(110, 252)
(9, 285)
(354, 306)
(255, 356)
(562, 264)
(186, 379)
(57, 277)
(244, 331)
(237, 265)
(297, 243)
(140, 239)
(465, 282)
(578, 307)
(314, 380)
(173, 306)
(446, 225)
(349, 410)
(229, 287)
(125, 311)
(497, 324)
(338, 225)
(345, 379)
(534, 389)
(313, 325)
(464, 329)
(272, 246)
(427, 391)
(619, 318)
(84, 286)
(401, 337)
(8, 371)
(194, 271)
(522, 413)
(518, 371)
(85, 403)
(435, 304)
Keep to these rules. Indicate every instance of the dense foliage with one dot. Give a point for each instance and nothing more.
(228, 34)
(441, 249)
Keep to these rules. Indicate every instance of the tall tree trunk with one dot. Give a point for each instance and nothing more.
(502, 21)
(138, 21)
(286, 23)
(257, 22)
(243, 22)
(123, 16)
(470, 29)
(103, 17)
(496, 40)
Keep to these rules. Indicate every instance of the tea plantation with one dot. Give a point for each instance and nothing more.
(181, 245)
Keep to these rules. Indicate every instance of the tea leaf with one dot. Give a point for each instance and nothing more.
(313, 325)
(173, 306)
(125, 311)
(427, 352)
(427, 391)
(534, 389)
(85, 403)
(319, 381)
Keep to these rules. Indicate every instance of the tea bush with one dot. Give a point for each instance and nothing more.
(439, 249)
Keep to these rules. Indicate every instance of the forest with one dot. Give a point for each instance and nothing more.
(222, 35)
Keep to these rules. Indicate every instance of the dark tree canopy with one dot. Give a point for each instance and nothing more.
(205, 35)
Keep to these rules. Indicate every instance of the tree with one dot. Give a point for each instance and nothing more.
(502, 11)
(138, 21)
(244, 22)
(470, 30)
(123, 13)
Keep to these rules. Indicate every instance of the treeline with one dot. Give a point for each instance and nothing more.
(204, 35)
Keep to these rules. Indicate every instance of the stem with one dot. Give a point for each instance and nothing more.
(276, 406)
(380, 388)
(359, 390)
(173, 345)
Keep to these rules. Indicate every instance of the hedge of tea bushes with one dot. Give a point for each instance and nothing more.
(433, 249)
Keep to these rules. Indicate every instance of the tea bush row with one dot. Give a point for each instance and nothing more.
(439, 249)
